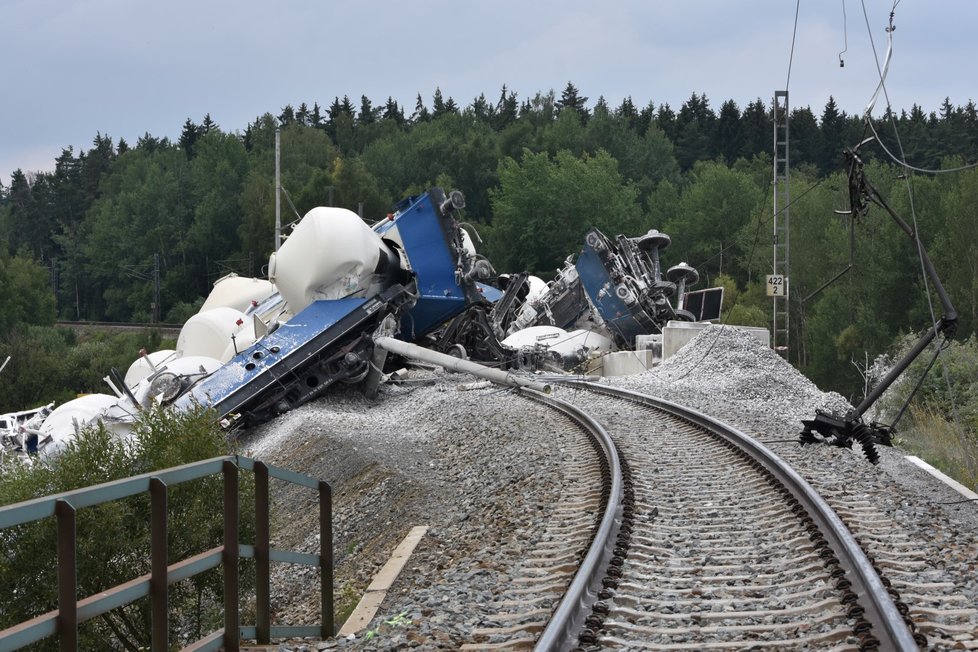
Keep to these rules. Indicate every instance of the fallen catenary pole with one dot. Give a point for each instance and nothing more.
(452, 363)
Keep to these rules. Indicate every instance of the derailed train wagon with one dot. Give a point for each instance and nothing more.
(261, 347)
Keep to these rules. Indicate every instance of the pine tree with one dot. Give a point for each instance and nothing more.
(626, 111)
(437, 104)
(208, 125)
(833, 137)
(302, 115)
(728, 138)
(421, 113)
(647, 116)
(188, 137)
(571, 99)
(287, 116)
(367, 113)
(755, 129)
(665, 118)
(507, 110)
(393, 112)
(601, 107)
(451, 106)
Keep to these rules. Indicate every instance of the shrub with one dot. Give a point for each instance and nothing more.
(113, 538)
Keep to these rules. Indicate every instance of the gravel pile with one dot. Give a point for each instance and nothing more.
(473, 465)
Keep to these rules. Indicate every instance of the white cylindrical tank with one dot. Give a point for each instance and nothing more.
(238, 292)
(537, 287)
(209, 333)
(173, 378)
(143, 366)
(575, 340)
(82, 411)
(330, 254)
(534, 335)
(558, 340)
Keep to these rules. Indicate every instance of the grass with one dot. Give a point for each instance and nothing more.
(345, 602)
(943, 444)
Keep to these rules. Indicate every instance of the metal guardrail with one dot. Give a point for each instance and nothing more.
(63, 621)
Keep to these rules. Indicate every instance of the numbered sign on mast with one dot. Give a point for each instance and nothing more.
(777, 285)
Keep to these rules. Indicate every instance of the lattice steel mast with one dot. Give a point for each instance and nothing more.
(778, 282)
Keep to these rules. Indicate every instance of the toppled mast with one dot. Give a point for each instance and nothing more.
(842, 430)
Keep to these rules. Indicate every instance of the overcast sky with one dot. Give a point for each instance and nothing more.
(124, 67)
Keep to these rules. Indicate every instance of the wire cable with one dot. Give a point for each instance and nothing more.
(886, 64)
(907, 179)
(904, 164)
(794, 33)
(845, 36)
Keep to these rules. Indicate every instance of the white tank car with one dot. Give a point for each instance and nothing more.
(238, 292)
(60, 426)
(145, 365)
(330, 254)
(210, 334)
(173, 377)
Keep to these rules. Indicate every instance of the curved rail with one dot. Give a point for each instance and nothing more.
(568, 618)
(887, 623)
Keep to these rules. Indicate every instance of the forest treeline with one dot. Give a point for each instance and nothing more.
(95, 238)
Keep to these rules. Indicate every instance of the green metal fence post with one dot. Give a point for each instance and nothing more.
(67, 577)
(326, 558)
(230, 556)
(158, 584)
(263, 629)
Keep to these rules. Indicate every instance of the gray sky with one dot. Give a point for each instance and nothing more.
(126, 67)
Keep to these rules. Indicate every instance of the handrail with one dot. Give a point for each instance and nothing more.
(64, 620)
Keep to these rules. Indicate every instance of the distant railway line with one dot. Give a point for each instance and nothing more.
(117, 327)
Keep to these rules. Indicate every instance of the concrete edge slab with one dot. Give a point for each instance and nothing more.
(951, 482)
(367, 608)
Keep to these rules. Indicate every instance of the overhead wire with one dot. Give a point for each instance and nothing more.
(902, 163)
(761, 222)
(867, 118)
(867, 115)
(845, 36)
(791, 55)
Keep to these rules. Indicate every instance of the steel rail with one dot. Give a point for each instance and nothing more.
(567, 622)
(888, 625)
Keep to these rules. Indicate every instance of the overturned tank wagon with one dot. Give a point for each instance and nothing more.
(258, 348)
(606, 300)
(411, 267)
(339, 291)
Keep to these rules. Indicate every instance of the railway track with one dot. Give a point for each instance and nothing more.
(119, 327)
(702, 539)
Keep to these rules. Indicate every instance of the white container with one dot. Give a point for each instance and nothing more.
(238, 292)
(80, 412)
(169, 381)
(143, 367)
(209, 333)
(330, 254)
